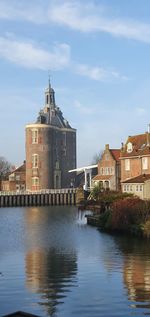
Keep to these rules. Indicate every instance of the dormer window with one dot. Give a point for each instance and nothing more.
(129, 147)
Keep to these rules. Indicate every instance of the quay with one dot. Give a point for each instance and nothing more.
(52, 197)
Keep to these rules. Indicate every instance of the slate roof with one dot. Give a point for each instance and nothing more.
(140, 146)
(138, 179)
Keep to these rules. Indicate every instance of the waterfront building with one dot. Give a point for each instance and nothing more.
(139, 186)
(50, 148)
(135, 165)
(16, 180)
(109, 169)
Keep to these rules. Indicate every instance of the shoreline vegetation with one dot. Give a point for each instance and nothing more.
(117, 212)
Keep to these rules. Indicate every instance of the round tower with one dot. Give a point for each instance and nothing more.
(50, 148)
(38, 157)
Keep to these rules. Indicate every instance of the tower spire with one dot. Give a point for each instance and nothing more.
(49, 80)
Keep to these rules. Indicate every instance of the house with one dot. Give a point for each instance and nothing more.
(135, 156)
(135, 165)
(139, 186)
(16, 180)
(109, 169)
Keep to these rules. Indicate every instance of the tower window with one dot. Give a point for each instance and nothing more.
(34, 136)
(47, 99)
(51, 99)
(35, 160)
(35, 181)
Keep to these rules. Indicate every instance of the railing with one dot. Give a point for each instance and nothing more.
(43, 191)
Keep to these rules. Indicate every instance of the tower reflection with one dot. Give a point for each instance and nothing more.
(50, 262)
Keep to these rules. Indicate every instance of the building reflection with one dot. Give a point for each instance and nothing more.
(50, 267)
(137, 279)
(136, 271)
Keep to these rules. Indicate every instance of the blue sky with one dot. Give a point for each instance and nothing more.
(98, 53)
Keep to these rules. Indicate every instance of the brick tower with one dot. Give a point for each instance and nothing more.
(50, 148)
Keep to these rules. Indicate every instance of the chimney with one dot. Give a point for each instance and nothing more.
(122, 146)
(106, 147)
(148, 135)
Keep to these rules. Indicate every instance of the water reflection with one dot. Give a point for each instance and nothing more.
(136, 270)
(51, 274)
(51, 263)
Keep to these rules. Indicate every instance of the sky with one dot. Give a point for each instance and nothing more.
(98, 56)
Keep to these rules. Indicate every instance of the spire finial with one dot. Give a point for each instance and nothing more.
(49, 79)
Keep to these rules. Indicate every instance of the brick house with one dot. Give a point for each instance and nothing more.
(135, 165)
(135, 156)
(16, 180)
(109, 169)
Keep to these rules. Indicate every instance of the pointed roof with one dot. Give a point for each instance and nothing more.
(115, 153)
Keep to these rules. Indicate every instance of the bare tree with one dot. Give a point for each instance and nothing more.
(5, 168)
(97, 157)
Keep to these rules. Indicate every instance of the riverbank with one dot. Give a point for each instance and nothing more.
(125, 215)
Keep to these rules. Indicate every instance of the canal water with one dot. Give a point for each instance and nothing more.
(53, 264)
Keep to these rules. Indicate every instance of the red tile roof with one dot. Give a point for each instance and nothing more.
(115, 153)
(138, 179)
(140, 146)
(102, 177)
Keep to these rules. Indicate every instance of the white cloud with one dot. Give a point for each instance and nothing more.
(21, 10)
(29, 55)
(76, 15)
(98, 73)
(91, 18)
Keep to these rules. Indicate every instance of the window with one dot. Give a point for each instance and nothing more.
(127, 164)
(34, 136)
(57, 165)
(124, 188)
(35, 160)
(12, 177)
(127, 188)
(141, 188)
(130, 188)
(17, 177)
(129, 147)
(144, 163)
(137, 188)
(102, 171)
(106, 157)
(111, 171)
(106, 171)
(35, 181)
